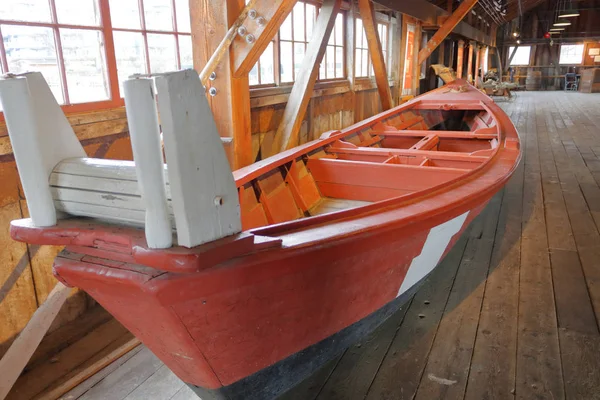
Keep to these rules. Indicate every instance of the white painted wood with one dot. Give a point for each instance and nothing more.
(433, 249)
(40, 136)
(203, 190)
(142, 117)
(99, 168)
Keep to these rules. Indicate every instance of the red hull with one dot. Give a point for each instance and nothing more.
(221, 312)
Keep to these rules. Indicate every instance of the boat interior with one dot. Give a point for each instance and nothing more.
(412, 150)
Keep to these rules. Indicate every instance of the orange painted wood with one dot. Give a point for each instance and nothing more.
(403, 177)
(429, 142)
(441, 134)
(303, 186)
(359, 192)
(460, 59)
(277, 199)
(252, 212)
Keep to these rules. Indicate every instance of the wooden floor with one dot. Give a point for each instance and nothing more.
(512, 312)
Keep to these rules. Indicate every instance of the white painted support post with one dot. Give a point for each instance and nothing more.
(41, 137)
(142, 117)
(203, 191)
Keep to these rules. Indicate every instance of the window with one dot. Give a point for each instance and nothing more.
(571, 54)
(521, 57)
(363, 67)
(70, 42)
(281, 60)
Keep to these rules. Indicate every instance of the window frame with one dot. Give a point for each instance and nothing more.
(277, 51)
(386, 50)
(572, 44)
(105, 27)
(512, 64)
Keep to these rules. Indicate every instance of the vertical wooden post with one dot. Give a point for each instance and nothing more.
(460, 59)
(470, 63)
(381, 76)
(416, 66)
(477, 63)
(231, 101)
(403, 41)
(287, 134)
(498, 62)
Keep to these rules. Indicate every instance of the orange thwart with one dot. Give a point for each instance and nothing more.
(337, 234)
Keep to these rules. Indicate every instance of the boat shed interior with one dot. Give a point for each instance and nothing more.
(513, 309)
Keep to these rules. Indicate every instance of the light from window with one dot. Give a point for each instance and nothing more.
(66, 42)
(157, 40)
(521, 57)
(332, 65)
(281, 61)
(363, 67)
(571, 54)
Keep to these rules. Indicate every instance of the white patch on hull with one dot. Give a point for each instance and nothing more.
(432, 251)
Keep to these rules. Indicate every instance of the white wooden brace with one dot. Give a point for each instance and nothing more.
(145, 142)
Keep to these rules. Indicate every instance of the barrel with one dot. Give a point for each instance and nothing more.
(533, 80)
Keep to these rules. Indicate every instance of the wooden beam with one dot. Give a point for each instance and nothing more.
(416, 73)
(447, 27)
(19, 353)
(477, 63)
(287, 133)
(270, 14)
(230, 103)
(512, 55)
(470, 63)
(460, 59)
(429, 14)
(498, 62)
(381, 76)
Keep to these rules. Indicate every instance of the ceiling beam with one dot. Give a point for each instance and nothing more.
(446, 28)
(429, 14)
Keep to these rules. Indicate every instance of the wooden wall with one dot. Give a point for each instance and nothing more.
(26, 271)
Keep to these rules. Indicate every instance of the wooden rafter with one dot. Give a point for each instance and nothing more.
(510, 58)
(381, 76)
(287, 134)
(446, 28)
(246, 53)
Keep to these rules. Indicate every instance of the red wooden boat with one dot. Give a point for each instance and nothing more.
(336, 234)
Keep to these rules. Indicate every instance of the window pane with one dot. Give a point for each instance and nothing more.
(571, 54)
(266, 65)
(161, 50)
(358, 34)
(85, 65)
(286, 62)
(130, 55)
(285, 32)
(32, 49)
(311, 17)
(339, 62)
(365, 63)
(521, 56)
(78, 12)
(330, 62)
(159, 15)
(253, 75)
(299, 49)
(185, 52)
(299, 21)
(322, 72)
(124, 14)
(357, 62)
(25, 10)
(339, 29)
(182, 10)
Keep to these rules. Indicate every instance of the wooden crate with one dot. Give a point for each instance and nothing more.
(590, 81)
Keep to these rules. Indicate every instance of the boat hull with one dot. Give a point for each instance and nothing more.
(256, 326)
